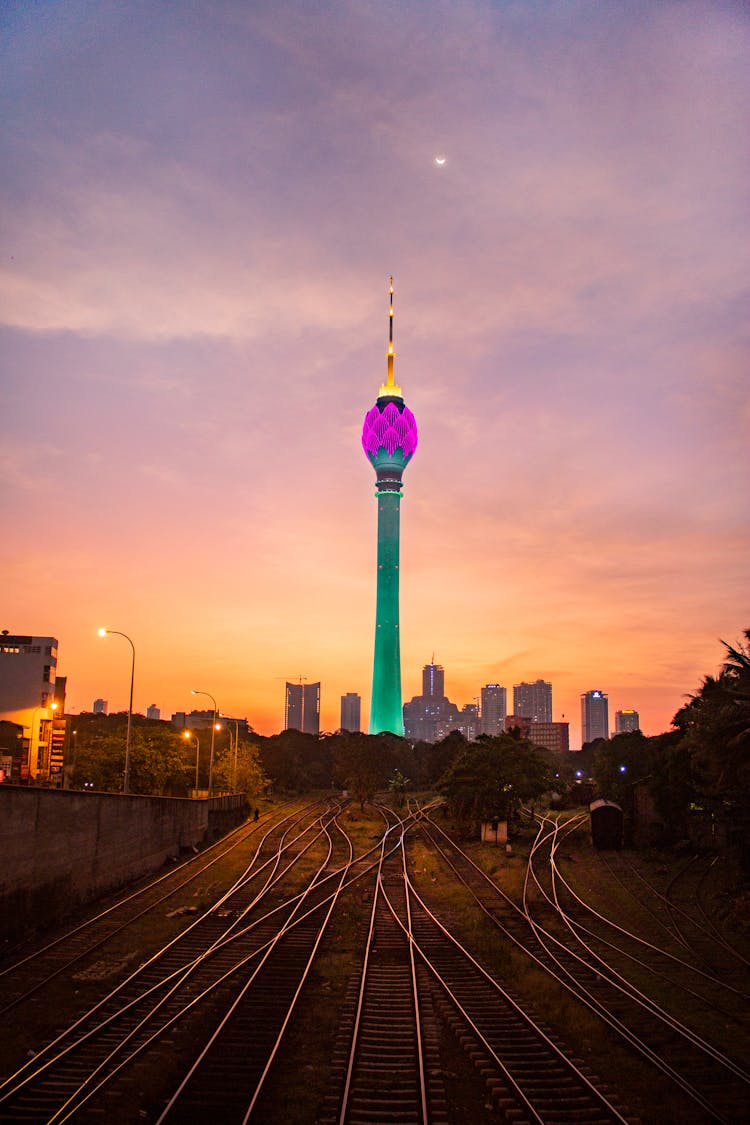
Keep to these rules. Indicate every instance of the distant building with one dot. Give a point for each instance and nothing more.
(494, 709)
(203, 720)
(351, 706)
(626, 721)
(594, 716)
(522, 722)
(101, 706)
(433, 680)
(534, 700)
(431, 716)
(302, 708)
(553, 736)
(27, 694)
(153, 712)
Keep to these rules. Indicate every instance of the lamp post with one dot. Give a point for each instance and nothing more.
(186, 736)
(213, 737)
(126, 778)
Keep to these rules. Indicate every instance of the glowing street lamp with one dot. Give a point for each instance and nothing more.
(186, 735)
(213, 737)
(126, 778)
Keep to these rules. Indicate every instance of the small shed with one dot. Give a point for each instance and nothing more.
(606, 825)
(494, 831)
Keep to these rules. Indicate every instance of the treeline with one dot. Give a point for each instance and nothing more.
(699, 770)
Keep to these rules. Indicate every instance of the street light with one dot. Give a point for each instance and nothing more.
(186, 735)
(213, 737)
(126, 778)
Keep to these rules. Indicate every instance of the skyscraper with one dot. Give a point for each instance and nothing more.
(594, 716)
(389, 438)
(302, 708)
(533, 701)
(627, 720)
(350, 711)
(433, 679)
(431, 715)
(494, 709)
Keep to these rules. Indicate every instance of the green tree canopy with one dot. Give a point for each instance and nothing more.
(492, 777)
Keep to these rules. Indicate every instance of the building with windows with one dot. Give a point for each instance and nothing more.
(302, 708)
(533, 700)
(153, 712)
(101, 707)
(351, 707)
(552, 736)
(27, 696)
(627, 720)
(494, 709)
(594, 716)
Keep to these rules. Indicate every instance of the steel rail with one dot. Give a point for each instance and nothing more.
(196, 999)
(74, 1103)
(31, 1070)
(568, 980)
(575, 926)
(613, 1021)
(621, 982)
(512, 1003)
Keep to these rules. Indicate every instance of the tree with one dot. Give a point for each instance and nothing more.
(243, 773)
(492, 777)
(715, 726)
(158, 762)
(363, 762)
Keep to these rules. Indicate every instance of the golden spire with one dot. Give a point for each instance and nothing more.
(390, 387)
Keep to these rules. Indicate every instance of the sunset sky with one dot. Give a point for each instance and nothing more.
(202, 203)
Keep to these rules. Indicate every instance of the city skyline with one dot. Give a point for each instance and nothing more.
(201, 208)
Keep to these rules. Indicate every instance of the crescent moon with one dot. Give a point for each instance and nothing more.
(440, 160)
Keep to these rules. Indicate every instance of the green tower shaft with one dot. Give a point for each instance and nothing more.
(386, 711)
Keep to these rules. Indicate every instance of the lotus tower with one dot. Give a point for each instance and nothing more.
(389, 438)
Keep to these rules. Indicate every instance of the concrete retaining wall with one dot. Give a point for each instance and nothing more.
(62, 848)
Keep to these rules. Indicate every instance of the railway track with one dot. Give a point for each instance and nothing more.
(413, 967)
(25, 975)
(203, 1029)
(586, 966)
(184, 981)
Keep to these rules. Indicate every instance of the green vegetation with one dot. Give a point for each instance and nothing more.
(698, 773)
(492, 777)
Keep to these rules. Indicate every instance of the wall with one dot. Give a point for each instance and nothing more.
(62, 848)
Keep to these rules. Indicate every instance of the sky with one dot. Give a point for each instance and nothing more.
(202, 204)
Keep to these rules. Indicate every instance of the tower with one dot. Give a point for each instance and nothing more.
(594, 716)
(389, 438)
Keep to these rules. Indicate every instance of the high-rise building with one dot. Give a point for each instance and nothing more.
(153, 712)
(534, 701)
(433, 680)
(389, 439)
(594, 716)
(494, 709)
(431, 715)
(28, 669)
(302, 708)
(101, 706)
(627, 720)
(351, 706)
